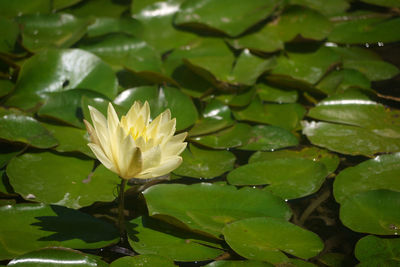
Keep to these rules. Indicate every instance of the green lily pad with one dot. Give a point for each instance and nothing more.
(56, 256)
(354, 108)
(267, 137)
(205, 164)
(266, 40)
(125, 51)
(287, 116)
(236, 263)
(99, 8)
(60, 4)
(273, 94)
(351, 140)
(8, 35)
(21, 128)
(237, 17)
(266, 239)
(327, 7)
(237, 135)
(210, 58)
(287, 178)
(65, 106)
(156, 26)
(330, 160)
(366, 28)
(50, 30)
(10, 8)
(298, 20)
(61, 180)
(372, 249)
(374, 70)
(305, 67)
(7, 152)
(6, 86)
(61, 70)
(147, 260)
(216, 116)
(374, 212)
(70, 139)
(26, 227)
(181, 106)
(208, 207)
(240, 98)
(6, 189)
(342, 80)
(106, 25)
(381, 172)
(242, 74)
(149, 236)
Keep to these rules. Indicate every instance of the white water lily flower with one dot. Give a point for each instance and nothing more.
(135, 147)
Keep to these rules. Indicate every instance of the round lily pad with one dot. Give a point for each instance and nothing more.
(56, 256)
(372, 249)
(9, 33)
(238, 263)
(270, 93)
(266, 137)
(61, 70)
(147, 260)
(26, 227)
(374, 212)
(288, 178)
(237, 17)
(149, 236)
(51, 30)
(21, 128)
(382, 172)
(61, 180)
(208, 207)
(266, 239)
(203, 163)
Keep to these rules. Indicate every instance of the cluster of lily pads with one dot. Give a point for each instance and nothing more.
(282, 103)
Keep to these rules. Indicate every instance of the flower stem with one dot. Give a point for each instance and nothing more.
(121, 206)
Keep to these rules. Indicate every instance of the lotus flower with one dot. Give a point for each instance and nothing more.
(136, 147)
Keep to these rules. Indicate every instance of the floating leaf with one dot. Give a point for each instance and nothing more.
(209, 207)
(385, 3)
(372, 249)
(216, 116)
(181, 106)
(10, 8)
(70, 139)
(348, 139)
(374, 212)
(306, 67)
(50, 30)
(238, 99)
(206, 164)
(8, 35)
(297, 20)
(237, 17)
(374, 70)
(99, 8)
(107, 25)
(266, 137)
(266, 239)
(236, 263)
(126, 51)
(6, 86)
(287, 116)
(56, 256)
(237, 135)
(149, 236)
(155, 24)
(21, 128)
(142, 261)
(381, 172)
(288, 178)
(330, 160)
(26, 227)
(366, 28)
(327, 7)
(342, 80)
(61, 180)
(61, 70)
(273, 94)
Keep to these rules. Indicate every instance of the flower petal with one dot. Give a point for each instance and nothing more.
(164, 168)
(98, 152)
(151, 158)
(92, 133)
(100, 126)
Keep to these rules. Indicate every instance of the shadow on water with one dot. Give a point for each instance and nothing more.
(68, 224)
